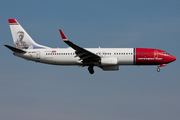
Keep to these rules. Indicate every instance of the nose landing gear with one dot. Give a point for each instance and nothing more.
(158, 69)
(161, 65)
(91, 70)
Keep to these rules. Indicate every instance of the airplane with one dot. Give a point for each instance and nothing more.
(108, 59)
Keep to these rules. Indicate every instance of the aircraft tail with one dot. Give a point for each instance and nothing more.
(21, 38)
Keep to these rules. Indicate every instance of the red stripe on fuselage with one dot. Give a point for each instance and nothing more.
(144, 56)
(148, 56)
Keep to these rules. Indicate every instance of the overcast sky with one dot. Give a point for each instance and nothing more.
(36, 91)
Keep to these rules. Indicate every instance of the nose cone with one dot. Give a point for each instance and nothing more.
(172, 58)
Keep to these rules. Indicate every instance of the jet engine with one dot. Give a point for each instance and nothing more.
(109, 63)
(105, 61)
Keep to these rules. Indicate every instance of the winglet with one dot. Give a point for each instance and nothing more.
(62, 35)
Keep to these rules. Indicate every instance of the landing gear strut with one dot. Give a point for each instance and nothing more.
(158, 69)
(91, 70)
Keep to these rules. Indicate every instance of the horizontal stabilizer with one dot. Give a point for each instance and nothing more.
(15, 49)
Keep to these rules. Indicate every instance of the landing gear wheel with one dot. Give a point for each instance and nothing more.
(158, 69)
(91, 70)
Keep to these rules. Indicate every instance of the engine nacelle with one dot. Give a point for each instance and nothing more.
(109, 61)
(110, 68)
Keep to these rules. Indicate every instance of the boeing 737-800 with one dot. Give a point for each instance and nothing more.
(107, 59)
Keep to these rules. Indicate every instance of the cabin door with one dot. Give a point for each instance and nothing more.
(155, 55)
(38, 54)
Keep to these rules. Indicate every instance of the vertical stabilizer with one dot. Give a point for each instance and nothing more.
(21, 38)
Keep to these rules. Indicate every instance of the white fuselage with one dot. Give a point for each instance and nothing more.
(67, 56)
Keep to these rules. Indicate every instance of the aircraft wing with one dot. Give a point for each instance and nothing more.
(84, 54)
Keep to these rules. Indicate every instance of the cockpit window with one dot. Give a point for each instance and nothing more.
(166, 53)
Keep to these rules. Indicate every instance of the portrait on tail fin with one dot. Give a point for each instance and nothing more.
(20, 43)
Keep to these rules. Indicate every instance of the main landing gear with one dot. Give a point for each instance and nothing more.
(91, 70)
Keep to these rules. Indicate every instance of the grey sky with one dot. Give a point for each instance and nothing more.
(30, 90)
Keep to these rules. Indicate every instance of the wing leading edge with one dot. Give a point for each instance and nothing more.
(82, 53)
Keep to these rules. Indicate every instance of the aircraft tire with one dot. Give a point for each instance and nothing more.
(91, 70)
(158, 70)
